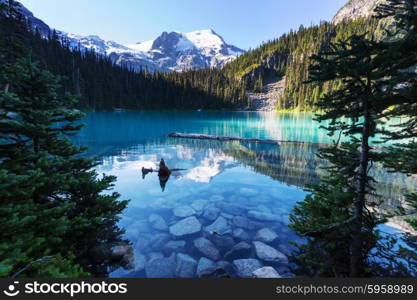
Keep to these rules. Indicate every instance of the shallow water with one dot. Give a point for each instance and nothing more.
(240, 187)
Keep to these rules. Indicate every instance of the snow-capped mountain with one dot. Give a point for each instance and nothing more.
(173, 51)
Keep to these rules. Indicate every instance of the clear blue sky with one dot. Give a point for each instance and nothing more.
(244, 23)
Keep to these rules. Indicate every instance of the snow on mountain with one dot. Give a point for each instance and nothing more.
(173, 51)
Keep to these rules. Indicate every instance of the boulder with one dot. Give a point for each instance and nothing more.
(157, 222)
(263, 216)
(158, 241)
(198, 205)
(242, 222)
(240, 250)
(207, 248)
(241, 234)
(267, 253)
(233, 209)
(223, 242)
(266, 272)
(266, 235)
(220, 226)
(204, 266)
(161, 268)
(138, 228)
(186, 226)
(186, 266)
(183, 211)
(225, 265)
(245, 267)
(142, 243)
(215, 273)
(155, 255)
(140, 262)
(211, 213)
(175, 246)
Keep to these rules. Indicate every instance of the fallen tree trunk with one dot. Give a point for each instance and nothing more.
(248, 140)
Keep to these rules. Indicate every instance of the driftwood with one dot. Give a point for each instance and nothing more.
(227, 138)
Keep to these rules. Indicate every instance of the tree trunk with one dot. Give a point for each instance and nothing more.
(357, 259)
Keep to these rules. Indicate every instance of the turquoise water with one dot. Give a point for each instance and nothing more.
(226, 191)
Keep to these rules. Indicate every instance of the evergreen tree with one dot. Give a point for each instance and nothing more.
(377, 83)
(53, 206)
(401, 40)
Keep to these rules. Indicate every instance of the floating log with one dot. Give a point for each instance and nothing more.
(247, 140)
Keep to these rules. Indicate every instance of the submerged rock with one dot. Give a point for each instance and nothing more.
(220, 226)
(267, 253)
(142, 243)
(215, 273)
(198, 205)
(242, 222)
(175, 246)
(135, 229)
(186, 266)
(245, 267)
(263, 216)
(158, 241)
(183, 211)
(186, 226)
(266, 272)
(155, 255)
(225, 265)
(140, 262)
(233, 209)
(266, 235)
(207, 248)
(223, 242)
(204, 266)
(240, 250)
(211, 213)
(158, 222)
(241, 234)
(161, 268)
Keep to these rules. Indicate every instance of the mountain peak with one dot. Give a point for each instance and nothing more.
(171, 51)
(354, 9)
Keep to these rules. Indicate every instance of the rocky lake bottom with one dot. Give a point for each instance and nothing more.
(224, 235)
(225, 211)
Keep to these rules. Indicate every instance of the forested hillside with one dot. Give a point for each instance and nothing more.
(289, 56)
(103, 85)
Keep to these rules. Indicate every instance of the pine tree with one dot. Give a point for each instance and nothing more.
(377, 83)
(401, 52)
(53, 208)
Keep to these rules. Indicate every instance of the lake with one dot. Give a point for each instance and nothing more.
(227, 198)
